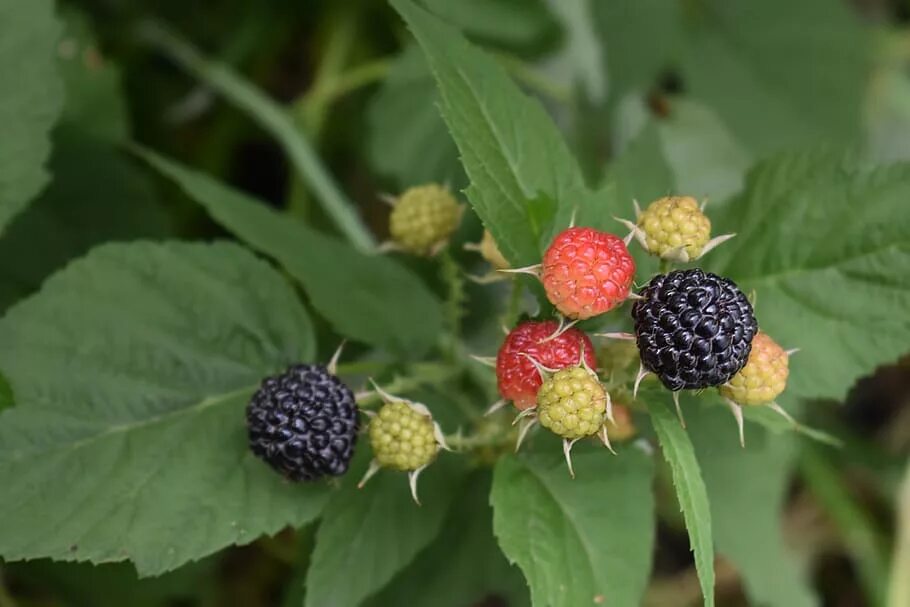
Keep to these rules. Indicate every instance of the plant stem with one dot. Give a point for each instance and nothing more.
(274, 119)
(665, 266)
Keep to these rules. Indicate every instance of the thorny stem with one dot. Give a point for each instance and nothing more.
(455, 300)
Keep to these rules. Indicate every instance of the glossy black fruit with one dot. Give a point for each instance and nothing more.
(304, 423)
(694, 329)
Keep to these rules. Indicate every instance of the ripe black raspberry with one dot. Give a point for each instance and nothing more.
(694, 329)
(303, 423)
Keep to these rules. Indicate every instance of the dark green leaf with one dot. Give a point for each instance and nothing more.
(131, 369)
(368, 535)
(32, 100)
(464, 566)
(510, 148)
(690, 490)
(93, 98)
(366, 297)
(97, 195)
(580, 541)
(832, 279)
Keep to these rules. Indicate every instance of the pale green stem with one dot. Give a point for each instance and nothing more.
(275, 120)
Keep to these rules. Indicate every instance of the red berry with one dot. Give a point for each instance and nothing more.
(587, 272)
(518, 378)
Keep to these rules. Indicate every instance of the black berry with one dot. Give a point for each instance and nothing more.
(303, 423)
(694, 329)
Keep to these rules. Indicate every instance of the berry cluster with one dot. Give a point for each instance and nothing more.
(692, 329)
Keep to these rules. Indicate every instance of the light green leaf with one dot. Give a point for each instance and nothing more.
(579, 541)
(778, 81)
(510, 148)
(31, 102)
(826, 248)
(368, 535)
(97, 195)
(473, 567)
(690, 490)
(371, 299)
(747, 488)
(707, 162)
(131, 370)
(408, 141)
(641, 39)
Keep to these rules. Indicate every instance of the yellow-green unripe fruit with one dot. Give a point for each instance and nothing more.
(423, 218)
(402, 438)
(673, 222)
(764, 376)
(571, 403)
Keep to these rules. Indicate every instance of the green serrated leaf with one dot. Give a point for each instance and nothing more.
(97, 195)
(407, 139)
(580, 541)
(510, 148)
(690, 490)
(32, 100)
(747, 488)
(464, 565)
(373, 299)
(368, 535)
(131, 369)
(826, 248)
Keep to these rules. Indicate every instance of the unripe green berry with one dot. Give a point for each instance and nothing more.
(402, 438)
(763, 378)
(571, 403)
(673, 222)
(423, 218)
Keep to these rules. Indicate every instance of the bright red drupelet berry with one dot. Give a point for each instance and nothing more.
(517, 376)
(587, 272)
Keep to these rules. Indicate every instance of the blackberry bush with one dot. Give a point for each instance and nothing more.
(145, 420)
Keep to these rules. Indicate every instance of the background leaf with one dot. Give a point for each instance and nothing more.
(97, 195)
(32, 100)
(374, 299)
(578, 541)
(368, 535)
(510, 148)
(747, 488)
(131, 369)
(841, 268)
(690, 490)
(464, 565)
(408, 141)
(765, 75)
